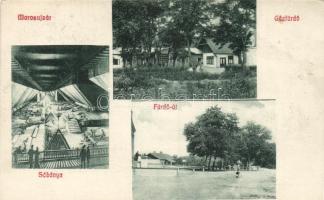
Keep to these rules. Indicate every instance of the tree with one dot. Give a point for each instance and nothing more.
(256, 145)
(135, 27)
(212, 134)
(171, 37)
(236, 25)
(268, 156)
(197, 140)
(126, 27)
(151, 11)
(216, 134)
(190, 18)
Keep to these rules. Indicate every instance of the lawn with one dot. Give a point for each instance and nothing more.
(160, 184)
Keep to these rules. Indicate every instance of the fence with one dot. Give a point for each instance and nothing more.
(138, 165)
(59, 155)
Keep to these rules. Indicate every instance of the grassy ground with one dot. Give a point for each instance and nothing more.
(166, 185)
(170, 83)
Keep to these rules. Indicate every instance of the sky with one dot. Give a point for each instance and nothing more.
(162, 130)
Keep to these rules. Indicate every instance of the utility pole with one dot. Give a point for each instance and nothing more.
(133, 130)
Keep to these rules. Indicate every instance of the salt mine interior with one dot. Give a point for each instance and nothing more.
(60, 104)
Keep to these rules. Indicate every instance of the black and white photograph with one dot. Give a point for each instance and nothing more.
(180, 49)
(205, 150)
(60, 106)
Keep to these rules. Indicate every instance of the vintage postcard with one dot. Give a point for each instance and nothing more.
(161, 99)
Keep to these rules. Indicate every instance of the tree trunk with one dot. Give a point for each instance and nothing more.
(239, 55)
(189, 53)
(248, 161)
(167, 64)
(123, 55)
(159, 61)
(149, 56)
(205, 160)
(244, 60)
(131, 60)
(124, 61)
(131, 56)
(209, 162)
(174, 59)
(222, 164)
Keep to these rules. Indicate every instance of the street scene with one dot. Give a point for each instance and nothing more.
(209, 150)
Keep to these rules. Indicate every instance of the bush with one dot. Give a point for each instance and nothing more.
(168, 73)
(235, 71)
(173, 81)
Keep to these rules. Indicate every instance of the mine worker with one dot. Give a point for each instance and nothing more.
(16, 152)
(88, 156)
(31, 155)
(83, 155)
(37, 158)
(19, 150)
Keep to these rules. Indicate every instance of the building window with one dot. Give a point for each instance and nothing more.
(230, 60)
(210, 60)
(222, 62)
(115, 61)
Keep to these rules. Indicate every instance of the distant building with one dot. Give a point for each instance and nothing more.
(154, 160)
(205, 52)
(117, 59)
(216, 56)
(164, 159)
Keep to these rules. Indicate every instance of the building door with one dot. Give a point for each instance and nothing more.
(222, 62)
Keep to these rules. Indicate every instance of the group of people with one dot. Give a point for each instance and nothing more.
(33, 157)
(85, 157)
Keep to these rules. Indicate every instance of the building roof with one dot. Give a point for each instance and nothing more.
(194, 50)
(162, 156)
(218, 48)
